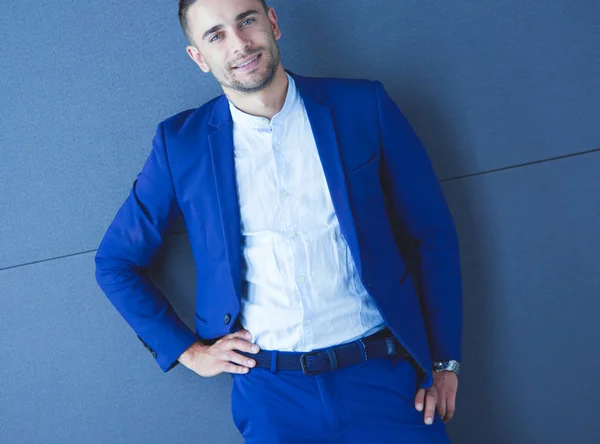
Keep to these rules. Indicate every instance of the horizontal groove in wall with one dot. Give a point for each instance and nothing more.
(47, 260)
(512, 167)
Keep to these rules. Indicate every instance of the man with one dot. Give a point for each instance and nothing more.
(296, 193)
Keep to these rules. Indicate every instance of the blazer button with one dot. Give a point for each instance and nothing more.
(154, 354)
(227, 318)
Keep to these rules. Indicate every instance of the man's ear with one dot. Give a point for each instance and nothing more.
(272, 16)
(197, 58)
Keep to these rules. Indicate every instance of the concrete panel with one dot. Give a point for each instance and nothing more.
(85, 84)
(529, 244)
(72, 371)
(485, 84)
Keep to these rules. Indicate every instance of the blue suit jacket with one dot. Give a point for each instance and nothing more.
(383, 189)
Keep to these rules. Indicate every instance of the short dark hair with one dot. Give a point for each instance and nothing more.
(184, 5)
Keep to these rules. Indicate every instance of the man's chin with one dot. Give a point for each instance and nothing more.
(251, 85)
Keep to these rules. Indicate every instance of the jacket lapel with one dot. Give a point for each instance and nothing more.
(321, 120)
(221, 150)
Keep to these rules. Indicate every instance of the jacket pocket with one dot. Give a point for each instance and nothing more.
(364, 165)
(201, 320)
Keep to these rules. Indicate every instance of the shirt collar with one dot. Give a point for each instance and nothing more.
(249, 121)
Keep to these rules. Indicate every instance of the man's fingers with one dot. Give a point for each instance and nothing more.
(237, 358)
(240, 344)
(230, 348)
(450, 406)
(226, 356)
(441, 407)
(430, 401)
(244, 334)
(420, 400)
(232, 368)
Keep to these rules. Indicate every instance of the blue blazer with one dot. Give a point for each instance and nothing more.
(383, 188)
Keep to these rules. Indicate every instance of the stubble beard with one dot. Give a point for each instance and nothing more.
(253, 85)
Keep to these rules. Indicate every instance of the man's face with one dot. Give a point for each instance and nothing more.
(227, 34)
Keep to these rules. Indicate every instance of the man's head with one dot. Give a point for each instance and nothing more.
(225, 35)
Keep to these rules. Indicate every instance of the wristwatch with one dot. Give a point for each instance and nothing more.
(449, 366)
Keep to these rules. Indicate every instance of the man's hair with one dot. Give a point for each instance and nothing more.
(184, 5)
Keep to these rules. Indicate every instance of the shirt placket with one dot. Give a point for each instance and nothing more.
(287, 198)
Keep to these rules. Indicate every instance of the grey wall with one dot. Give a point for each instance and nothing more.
(504, 96)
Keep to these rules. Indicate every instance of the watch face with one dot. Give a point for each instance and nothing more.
(452, 366)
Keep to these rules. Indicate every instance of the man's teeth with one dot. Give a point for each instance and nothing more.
(248, 62)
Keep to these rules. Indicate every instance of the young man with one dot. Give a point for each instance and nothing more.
(296, 193)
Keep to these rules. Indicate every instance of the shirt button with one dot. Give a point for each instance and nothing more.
(308, 322)
(292, 234)
(284, 194)
(301, 279)
(277, 147)
(227, 318)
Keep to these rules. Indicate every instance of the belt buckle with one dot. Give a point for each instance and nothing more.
(305, 369)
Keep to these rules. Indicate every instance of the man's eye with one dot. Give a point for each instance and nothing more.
(247, 22)
(214, 37)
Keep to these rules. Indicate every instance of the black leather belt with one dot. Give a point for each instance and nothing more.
(381, 343)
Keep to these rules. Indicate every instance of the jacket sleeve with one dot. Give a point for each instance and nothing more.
(418, 203)
(127, 249)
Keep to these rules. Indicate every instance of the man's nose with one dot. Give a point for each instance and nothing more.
(240, 42)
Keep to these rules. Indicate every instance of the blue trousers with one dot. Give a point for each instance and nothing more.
(371, 402)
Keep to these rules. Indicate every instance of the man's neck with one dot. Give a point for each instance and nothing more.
(264, 103)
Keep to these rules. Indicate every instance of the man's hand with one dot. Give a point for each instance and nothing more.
(212, 360)
(442, 393)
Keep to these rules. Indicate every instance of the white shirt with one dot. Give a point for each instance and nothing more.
(303, 290)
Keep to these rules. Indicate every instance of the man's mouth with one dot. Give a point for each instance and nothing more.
(247, 62)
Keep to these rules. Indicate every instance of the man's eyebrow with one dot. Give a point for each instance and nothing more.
(239, 17)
